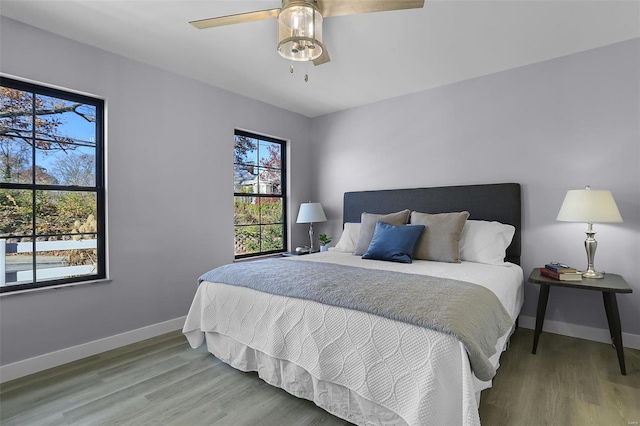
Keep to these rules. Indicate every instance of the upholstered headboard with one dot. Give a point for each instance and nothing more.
(500, 202)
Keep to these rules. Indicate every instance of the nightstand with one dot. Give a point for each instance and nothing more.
(609, 286)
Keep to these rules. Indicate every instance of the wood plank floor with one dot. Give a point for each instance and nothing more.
(568, 382)
(162, 381)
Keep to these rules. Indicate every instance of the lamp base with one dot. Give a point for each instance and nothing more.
(311, 249)
(590, 273)
(590, 244)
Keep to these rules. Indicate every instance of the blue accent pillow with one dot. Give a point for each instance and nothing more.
(393, 243)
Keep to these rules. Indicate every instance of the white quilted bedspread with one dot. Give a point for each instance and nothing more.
(421, 376)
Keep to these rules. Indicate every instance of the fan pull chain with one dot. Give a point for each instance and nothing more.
(306, 75)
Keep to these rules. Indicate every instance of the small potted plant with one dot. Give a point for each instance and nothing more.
(324, 240)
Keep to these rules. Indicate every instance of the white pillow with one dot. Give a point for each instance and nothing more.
(485, 242)
(349, 237)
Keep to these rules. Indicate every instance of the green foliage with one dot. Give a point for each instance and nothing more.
(250, 210)
(262, 229)
(15, 212)
(245, 212)
(71, 207)
(272, 238)
(324, 239)
(56, 211)
(255, 239)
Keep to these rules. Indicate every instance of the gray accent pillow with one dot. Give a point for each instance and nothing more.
(440, 240)
(368, 226)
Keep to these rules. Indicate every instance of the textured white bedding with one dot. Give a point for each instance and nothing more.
(360, 367)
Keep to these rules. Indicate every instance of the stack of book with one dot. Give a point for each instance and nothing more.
(560, 272)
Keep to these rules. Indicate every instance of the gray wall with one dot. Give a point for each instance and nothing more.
(551, 126)
(170, 185)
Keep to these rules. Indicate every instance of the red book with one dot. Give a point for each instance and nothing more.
(562, 276)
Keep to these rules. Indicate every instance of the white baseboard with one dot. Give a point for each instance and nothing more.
(580, 331)
(54, 359)
(74, 353)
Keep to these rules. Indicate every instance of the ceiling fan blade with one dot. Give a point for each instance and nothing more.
(352, 7)
(236, 19)
(322, 59)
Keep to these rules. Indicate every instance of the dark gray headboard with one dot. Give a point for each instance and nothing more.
(500, 202)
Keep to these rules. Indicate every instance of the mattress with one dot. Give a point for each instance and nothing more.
(360, 367)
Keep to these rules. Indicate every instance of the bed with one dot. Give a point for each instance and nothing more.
(372, 359)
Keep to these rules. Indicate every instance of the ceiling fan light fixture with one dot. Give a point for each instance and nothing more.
(300, 31)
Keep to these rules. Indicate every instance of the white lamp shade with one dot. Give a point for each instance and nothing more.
(589, 206)
(311, 212)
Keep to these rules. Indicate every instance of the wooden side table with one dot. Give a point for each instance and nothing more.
(609, 286)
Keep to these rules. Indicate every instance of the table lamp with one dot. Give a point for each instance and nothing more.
(309, 213)
(590, 206)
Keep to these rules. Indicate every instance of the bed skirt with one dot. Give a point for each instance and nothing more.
(334, 398)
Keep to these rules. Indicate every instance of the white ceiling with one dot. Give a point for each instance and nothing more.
(373, 56)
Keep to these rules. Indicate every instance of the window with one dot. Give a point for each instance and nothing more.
(259, 200)
(52, 214)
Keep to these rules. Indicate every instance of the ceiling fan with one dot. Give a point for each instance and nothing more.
(300, 23)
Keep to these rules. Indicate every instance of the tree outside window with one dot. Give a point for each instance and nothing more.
(51, 187)
(259, 195)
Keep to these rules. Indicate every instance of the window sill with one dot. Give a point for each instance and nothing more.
(54, 287)
(264, 256)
